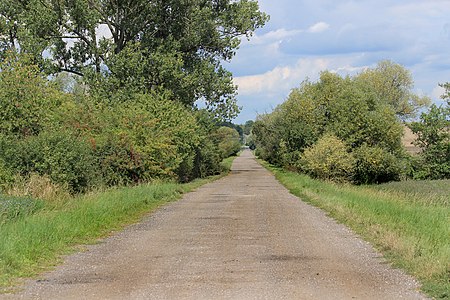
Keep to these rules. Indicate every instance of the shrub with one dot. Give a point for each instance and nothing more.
(67, 160)
(6, 176)
(328, 159)
(145, 137)
(227, 140)
(335, 105)
(207, 159)
(375, 165)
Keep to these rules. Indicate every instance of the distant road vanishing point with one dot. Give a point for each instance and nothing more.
(241, 237)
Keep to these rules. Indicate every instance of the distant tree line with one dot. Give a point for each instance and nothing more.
(350, 129)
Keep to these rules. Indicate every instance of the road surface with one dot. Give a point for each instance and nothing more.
(241, 237)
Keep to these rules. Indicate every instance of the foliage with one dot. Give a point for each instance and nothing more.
(173, 45)
(247, 127)
(138, 137)
(250, 142)
(433, 131)
(375, 165)
(228, 141)
(328, 159)
(64, 158)
(349, 109)
(446, 95)
(393, 85)
(26, 99)
(207, 159)
(84, 141)
(6, 176)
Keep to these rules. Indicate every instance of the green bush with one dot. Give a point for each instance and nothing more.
(432, 164)
(6, 176)
(6, 173)
(207, 160)
(354, 109)
(119, 164)
(144, 137)
(227, 140)
(375, 165)
(67, 160)
(328, 159)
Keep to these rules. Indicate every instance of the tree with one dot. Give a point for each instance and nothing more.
(433, 133)
(248, 126)
(393, 85)
(346, 108)
(27, 101)
(174, 45)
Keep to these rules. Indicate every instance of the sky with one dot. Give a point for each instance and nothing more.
(305, 37)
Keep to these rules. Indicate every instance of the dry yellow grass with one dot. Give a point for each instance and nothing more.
(408, 139)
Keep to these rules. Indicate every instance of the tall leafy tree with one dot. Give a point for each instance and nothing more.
(348, 109)
(172, 45)
(27, 101)
(393, 85)
(433, 137)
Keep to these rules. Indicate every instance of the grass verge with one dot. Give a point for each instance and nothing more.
(411, 228)
(32, 243)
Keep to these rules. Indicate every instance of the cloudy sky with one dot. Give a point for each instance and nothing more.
(304, 37)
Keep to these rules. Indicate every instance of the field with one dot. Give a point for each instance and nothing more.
(409, 222)
(408, 138)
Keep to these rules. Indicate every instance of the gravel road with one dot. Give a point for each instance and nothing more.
(242, 237)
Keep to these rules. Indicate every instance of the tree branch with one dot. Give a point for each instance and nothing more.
(71, 71)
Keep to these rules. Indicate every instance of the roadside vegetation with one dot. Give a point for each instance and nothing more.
(409, 222)
(87, 103)
(35, 233)
(349, 129)
(102, 121)
(337, 143)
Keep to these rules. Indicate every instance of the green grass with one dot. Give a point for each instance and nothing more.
(34, 240)
(426, 191)
(12, 208)
(227, 162)
(408, 221)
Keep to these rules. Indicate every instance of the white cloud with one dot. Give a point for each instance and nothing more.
(341, 36)
(281, 79)
(283, 33)
(437, 93)
(276, 35)
(318, 27)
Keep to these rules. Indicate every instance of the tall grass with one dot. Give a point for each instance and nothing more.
(410, 227)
